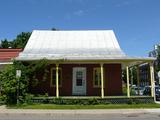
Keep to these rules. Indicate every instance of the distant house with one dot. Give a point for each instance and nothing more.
(7, 55)
(82, 63)
(144, 68)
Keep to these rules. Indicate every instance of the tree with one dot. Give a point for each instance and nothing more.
(54, 29)
(21, 40)
(5, 43)
(9, 83)
(157, 67)
(132, 75)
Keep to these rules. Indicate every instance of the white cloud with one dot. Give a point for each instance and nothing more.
(122, 4)
(78, 13)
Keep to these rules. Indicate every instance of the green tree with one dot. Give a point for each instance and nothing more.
(157, 67)
(21, 40)
(132, 75)
(54, 29)
(5, 43)
(9, 82)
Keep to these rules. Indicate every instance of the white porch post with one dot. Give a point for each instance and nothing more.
(102, 82)
(127, 74)
(57, 81)
(152, 79)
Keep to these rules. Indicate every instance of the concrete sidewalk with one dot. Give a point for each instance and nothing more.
(3, 110)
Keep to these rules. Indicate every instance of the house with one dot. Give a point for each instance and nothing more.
(6, 56)
(155, 53)
(82, 63)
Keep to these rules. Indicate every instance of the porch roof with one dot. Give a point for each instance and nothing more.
(74, 45)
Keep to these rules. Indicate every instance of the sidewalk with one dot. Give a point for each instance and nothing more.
(3, 110)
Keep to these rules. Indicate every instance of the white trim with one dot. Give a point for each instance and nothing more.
(6, 63)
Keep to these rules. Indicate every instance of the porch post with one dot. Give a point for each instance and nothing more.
(127, 73)
(152, 79)
(138, 81)
(102, 81)
(57, 81)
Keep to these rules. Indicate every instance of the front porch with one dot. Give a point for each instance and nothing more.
(67, 76)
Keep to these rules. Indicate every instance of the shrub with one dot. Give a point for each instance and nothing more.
(9, 82)
(10, 86)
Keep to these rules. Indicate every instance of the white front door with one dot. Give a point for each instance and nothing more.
(79, 81)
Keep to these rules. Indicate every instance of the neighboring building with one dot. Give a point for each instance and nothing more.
(154, 53)
(82, 63)
(144, 68)
(6, 56)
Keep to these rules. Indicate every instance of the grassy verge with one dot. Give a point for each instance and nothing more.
(109, 106)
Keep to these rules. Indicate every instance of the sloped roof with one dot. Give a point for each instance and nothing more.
(75, 45)
(6, 55)
(71, 45)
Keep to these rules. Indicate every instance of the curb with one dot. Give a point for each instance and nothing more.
(77, 112)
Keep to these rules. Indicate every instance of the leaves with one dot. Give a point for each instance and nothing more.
(19, 42)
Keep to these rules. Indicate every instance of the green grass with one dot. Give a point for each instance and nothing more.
(109, 106)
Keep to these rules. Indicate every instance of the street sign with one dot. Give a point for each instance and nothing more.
(18, 73)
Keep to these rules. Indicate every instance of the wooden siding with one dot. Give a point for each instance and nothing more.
(112, 84)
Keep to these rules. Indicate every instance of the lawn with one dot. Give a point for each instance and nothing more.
(109, 106)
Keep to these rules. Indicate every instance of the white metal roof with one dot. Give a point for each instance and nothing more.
(72, 45)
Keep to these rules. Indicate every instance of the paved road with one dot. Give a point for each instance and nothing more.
(101, 114)
(128, 116)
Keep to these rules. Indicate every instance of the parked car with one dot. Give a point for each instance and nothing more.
(135, 90)
(147, 91)
(141, 90)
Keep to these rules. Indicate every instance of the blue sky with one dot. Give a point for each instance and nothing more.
(136, 23)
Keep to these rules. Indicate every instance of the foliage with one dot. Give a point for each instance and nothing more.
(65, 101)
(5, 43)
(10, 82)
(34, 69)
(54, 29)
(132, 75)
(19, 42)
(157, 68)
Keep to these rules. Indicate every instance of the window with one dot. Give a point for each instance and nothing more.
(53, 77)
(79, 77)
(97, 77)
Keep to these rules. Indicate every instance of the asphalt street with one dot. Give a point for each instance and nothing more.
(94, 114)
(118, 116)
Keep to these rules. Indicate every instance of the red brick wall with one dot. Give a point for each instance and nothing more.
(112, 75)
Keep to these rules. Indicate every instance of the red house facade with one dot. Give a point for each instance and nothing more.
(82, 63)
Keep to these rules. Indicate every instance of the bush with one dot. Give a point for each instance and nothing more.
(65, 101)
(28, 98)
(10, 84)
